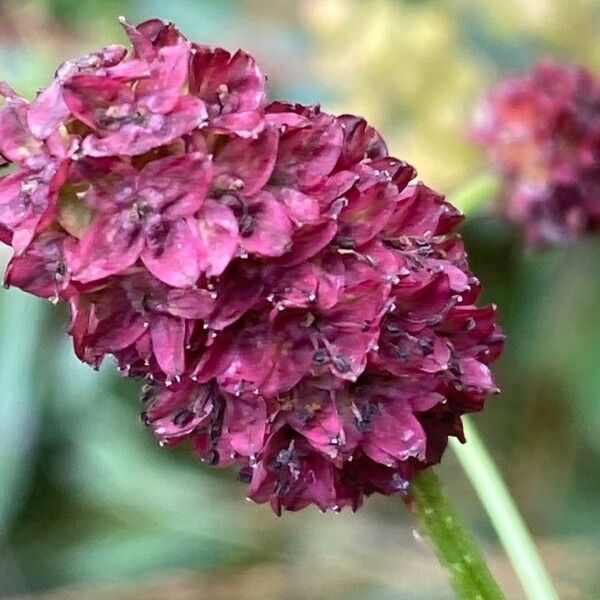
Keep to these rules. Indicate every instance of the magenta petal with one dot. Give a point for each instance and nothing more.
(160, 33)
(361, 141)
(17, 143)
(294, 287)
(271, 229)
(218, 237)
(302, 209)
(168, 340)
(243, 359)
(420, 209)
(322, 426)
(142, 45)
(395, 435)
(93, 99)
(367, 213)
(177, 185)
(246, 124)
(334, 187)
(176, 411)
(168, 74)
(307, 478)
(111, 244)
(247, 161)
(105, 58)
(306, 156)
(23, 236)
(105, 323)
(292, 354)
(175, 261)
(244, 424)
(190, 304)
(47, 111)
(286, 120)
(236, 294)
(307, 241)
(13, 203)
(26, 205)
(41, 271)
(227, 83)
(129, 70)
(156, 130)
(477, 375)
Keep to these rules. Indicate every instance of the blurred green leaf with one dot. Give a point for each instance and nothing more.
(476, 193)
(22, 319)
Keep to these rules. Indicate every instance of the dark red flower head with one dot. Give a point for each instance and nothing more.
(542, 131)
(300, 307)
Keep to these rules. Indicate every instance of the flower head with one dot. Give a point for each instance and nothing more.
(542, 130)
(301, 308)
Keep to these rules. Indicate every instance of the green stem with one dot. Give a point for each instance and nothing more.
(504, 515)
(454, 545)
(476, 193)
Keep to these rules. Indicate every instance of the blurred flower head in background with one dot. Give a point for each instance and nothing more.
(301, 309)
(542, 131)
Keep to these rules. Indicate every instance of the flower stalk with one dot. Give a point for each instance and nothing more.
(453, 544)
(504, 515)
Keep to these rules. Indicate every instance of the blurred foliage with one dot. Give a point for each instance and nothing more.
(86, 495)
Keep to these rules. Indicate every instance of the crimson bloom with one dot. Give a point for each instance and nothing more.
(301, 308)
(542, 130)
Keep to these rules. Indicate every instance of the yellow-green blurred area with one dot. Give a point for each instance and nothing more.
(92, 508)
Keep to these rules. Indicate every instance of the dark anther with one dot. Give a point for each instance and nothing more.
(393, 328)
(365, 326)
(182, 417)
(435, 320)
(320, 357)
(245, 475)
(367, 414)
(470, 324)
(345, 242)
(246, 225)
(148, 392)
(369, 411)
(283, 486)
(425, 250)
(342, 364)
(454, 368)
(284, 457)
(212, 457)
(399, 483)
(144, 420)
(401, 352)
(60, 271)
(426, 346)
(137, 373)
(362, 425)
(140, 210)
(305, 415)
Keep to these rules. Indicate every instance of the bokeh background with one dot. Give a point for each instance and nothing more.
(91, 508)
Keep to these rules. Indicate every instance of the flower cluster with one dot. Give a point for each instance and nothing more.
(300, 307)
(542, 130)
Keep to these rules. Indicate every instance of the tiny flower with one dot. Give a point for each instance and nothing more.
(300, 308)
(145, 214)
(541, 130)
